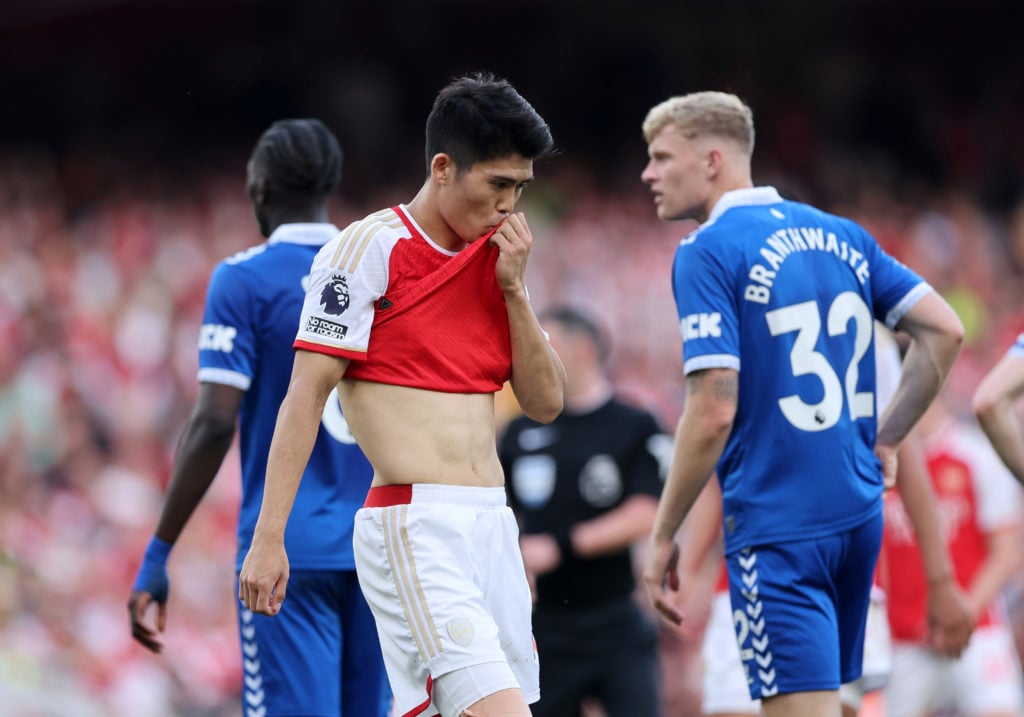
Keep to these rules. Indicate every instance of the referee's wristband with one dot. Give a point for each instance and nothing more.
(563, 537)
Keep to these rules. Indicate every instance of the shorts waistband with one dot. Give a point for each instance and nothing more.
(387, 495)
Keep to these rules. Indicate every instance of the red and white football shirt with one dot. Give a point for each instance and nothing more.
(976, 495)
(406, 311)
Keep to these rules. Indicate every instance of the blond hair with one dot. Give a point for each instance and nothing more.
(716, 114)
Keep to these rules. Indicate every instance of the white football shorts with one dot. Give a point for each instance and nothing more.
(985, 680)
(441, 569)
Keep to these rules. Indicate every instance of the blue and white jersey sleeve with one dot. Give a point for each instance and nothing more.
(706, 306)
(895, 288)
(227, 340)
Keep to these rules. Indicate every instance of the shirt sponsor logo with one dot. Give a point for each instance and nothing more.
(323, 327)
(334, 298)
(215, 337)
(701, 326)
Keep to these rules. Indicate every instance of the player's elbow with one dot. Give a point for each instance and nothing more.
(934, 323)
(710, 421)
(955, 334)
(213, 426)
(945, 340)
(718, 424)
(545, 409)
(986, 403)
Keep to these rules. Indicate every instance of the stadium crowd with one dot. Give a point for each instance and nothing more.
(100, 308)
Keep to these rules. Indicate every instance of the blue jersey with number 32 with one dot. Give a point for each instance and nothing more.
(786, 295)
(252, 315)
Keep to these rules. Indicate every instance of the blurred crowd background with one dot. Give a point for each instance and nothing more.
(124, 130)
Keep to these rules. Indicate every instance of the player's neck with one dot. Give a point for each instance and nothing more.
(424, 211)
(305, 215)
(726, 184)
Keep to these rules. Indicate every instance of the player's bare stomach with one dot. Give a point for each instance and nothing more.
(412, 435)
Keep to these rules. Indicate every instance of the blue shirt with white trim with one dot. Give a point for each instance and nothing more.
(252, 313)
(786, 295)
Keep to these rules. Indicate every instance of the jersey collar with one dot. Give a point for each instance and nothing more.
(406, 215)
(311, 233)
(749, 196)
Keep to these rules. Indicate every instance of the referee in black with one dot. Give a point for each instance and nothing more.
(585, 488)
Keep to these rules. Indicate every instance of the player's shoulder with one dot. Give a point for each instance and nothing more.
(381, 229)
(236, 271)
(833, 222)
(270, 262)
(737, 217)
(245, 256)
(383, 225)
(268, 256)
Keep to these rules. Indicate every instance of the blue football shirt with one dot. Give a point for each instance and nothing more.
(252, 315)
(787, 295)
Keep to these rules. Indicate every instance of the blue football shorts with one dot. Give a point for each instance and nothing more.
(318, 657)
(799, 609)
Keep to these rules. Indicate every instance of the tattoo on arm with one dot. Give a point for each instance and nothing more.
(722, 385)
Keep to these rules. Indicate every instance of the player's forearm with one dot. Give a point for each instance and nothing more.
(204, 443)
(1004, 433)
(1001, 564)
(993, 405)
(538, 377)
(924, 371)
(698, 445)
(292, 444)
(701, 528)
(617, 529)
(914, 486)
(314, 376)
(936, 334)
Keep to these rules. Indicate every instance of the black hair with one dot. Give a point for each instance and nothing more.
(574, 321)
(300, 156)
(478, 117)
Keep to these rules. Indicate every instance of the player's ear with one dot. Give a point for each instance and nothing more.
(442, 168)
(259, 191)
(713, 162)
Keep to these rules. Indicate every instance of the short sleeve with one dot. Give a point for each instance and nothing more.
(348, 275)
(227, 339)
(895, 289)
(706, 307)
